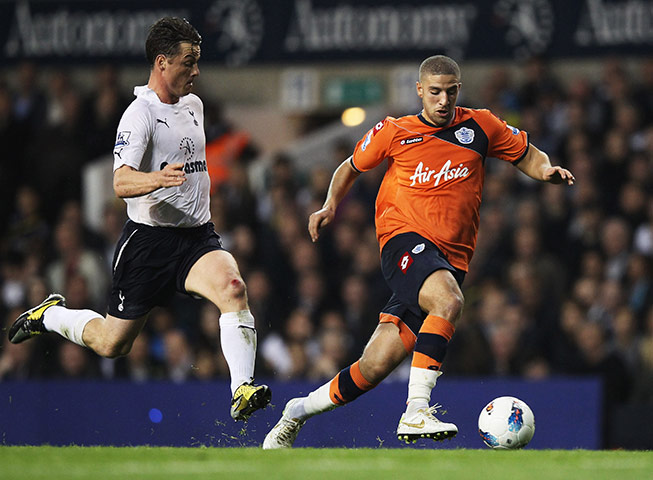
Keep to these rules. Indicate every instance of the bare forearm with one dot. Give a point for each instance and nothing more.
(128, 182)
(341, 182)
(536, 164)
(134, 184)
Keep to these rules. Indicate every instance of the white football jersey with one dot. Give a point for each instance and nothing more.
(152, 134)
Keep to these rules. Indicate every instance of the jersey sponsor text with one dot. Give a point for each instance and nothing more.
(425, 175)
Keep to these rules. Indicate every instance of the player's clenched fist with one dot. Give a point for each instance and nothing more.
(172, 175)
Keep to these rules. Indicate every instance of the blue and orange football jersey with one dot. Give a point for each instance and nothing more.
(434, 180)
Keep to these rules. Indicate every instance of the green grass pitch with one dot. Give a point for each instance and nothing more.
(143, 463)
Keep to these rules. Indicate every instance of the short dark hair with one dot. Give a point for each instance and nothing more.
(166, 34)
(439, 65)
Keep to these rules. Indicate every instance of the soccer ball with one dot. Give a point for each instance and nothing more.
(506, 423)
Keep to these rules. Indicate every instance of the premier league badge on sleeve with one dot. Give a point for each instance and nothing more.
(123, 138)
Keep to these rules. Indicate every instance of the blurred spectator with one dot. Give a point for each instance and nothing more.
(244, 248)
(311, 294)
(12, 276)
(76, 362)
(160, 322)
(608, 301)
(566, 356)
(57, 153)
(599, 360)
(639, 284)
(140, 367)
(539, 83)
(101, 111)
(227, 150)
(73, 258)
(16, 361)
(178, 356)
(615, 243)
(471, 353)
(499, 94)
(12, 150)
(643, 241)
(209, 360)
(644, 380)
(30, 103)
(289, 355)
(625, 341)
(334, 348)
(359, 313)
(266, 306)
(115, 216)
(27, 230)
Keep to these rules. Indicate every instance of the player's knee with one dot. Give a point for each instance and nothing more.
(375, 368)
(449, 306)
(454, 307)
(236, 288)
(375, 373)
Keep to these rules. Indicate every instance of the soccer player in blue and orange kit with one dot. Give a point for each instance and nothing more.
(427, 218)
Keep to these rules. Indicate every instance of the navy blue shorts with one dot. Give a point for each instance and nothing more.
(406, 261)
(150, 264)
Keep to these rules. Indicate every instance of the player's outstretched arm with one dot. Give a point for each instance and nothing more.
(341, 181)
(536, 165)
(129, 182)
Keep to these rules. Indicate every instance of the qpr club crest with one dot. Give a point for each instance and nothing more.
(464, 135)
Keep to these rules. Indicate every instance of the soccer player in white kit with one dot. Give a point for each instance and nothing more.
(168, 244)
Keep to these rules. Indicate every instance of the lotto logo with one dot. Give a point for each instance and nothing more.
(405, 262)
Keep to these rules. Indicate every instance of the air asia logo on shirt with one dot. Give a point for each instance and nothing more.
(405, 262)
(425, 175)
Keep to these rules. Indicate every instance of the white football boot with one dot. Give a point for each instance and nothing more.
(285, 432)
(423, 424)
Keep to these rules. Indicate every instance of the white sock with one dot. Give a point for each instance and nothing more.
(238, 342)
(68, 323)
(318, 401)
(420, 383)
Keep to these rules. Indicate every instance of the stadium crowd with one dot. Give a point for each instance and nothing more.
(560, 282)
